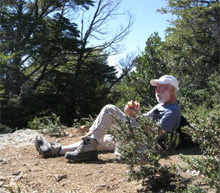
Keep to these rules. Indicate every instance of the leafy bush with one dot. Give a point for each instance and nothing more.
(48, 124)
(141, 152)
(206, 131)
(83, 121)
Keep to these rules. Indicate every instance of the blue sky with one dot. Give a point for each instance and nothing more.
(147, 21)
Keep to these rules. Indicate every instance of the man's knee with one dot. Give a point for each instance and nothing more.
(113, 111)
(109, 108)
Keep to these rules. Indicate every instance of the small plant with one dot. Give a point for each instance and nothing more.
(49, 125)
(194, 189)
(17, 190)
(83, 121)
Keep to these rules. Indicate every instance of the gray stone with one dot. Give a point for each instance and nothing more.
(19, 138)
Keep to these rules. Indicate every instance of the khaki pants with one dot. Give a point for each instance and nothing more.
(101, 126)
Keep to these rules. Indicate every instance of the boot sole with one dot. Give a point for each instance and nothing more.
(86, 156)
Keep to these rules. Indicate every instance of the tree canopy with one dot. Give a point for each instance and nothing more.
(193, 42)
(48, 64)
(190, 52)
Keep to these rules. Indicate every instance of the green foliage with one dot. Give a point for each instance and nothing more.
(13, 190)
(83, 121)
(41, 66)
(170, 141)
(192, 46)
(3, 59)
(213, 97)
(12, 112)
(151, 64)
(49, 125)
(34, 42)
(144, 163)
(194, 189)
(141, 152)
(206, 132)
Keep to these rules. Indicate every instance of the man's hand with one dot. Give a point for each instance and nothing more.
(132, 108)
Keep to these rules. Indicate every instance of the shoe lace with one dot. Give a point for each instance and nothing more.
(81, 145)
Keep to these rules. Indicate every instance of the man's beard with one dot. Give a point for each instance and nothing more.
(163, 98)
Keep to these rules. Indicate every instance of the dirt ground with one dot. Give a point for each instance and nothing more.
(22, 169)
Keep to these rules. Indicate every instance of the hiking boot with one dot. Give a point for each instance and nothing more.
(87, 150)
(46, 149)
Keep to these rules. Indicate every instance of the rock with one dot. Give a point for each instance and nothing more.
(100, 186)
(19, 178)
(1, 184)
(19, 138)
(2, 190)
(194, 173)
(60, 177)
(2, 178)
(16, 173)
(3, 161)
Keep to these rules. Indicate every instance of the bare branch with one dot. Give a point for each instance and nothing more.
(105, 13)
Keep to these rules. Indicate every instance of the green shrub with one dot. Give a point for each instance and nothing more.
(206, 132)
(48, 124)
(141, 152)
(83, 121)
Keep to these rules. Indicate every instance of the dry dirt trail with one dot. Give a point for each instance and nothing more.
(22, 169)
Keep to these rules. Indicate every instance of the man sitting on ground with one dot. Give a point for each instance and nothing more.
(166, 112)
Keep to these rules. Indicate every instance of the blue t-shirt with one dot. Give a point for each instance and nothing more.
(167, 116)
